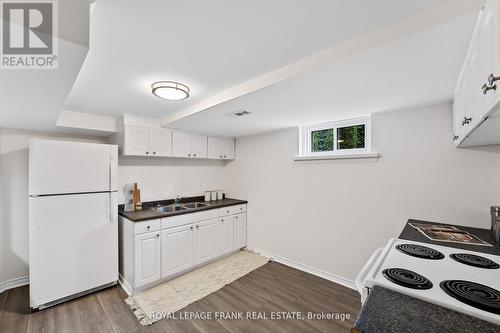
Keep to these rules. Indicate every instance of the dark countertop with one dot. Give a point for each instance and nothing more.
(413, 234)
(388, 311)
(148, 214)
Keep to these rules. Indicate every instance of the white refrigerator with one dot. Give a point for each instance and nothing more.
(73, 219)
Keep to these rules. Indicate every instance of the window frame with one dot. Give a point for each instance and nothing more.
(306, 134)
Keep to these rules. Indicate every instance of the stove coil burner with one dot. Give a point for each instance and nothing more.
(406, 278)
(474, 294)
(420, 251)
(474, 260)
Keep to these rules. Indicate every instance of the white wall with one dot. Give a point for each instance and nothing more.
(331, 215)
(157, 178)
(161, 178)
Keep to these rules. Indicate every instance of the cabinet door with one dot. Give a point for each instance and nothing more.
(136, 140)
(199, 146)
(206, 241)
(240, 231)
(146, 258)
(488, 50)
(226, 235)
(228, 149)
(215, 148)
(177, 249)
(160, 142)
(181, 144)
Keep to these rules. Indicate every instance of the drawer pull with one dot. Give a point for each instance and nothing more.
(492, 79)
(487, 88)
(466, 120)
(148, 227)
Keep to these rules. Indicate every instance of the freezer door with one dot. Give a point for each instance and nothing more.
(58, 167)
(73, 245)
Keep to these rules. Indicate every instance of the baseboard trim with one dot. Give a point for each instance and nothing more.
(124, 284)
(14, 283)
(305, 268)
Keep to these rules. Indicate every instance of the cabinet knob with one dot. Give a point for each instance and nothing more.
(225, 156)
(191, 228)
(154, 153)
(487, 88)
(147, 152)
(194, 155)
(492, 79)
(157, 235)
(455, 137)
(222, 220)
(466, 120)
(148, 227)
(189, 155)
(236, 217)
(220, 156)
(197, 227)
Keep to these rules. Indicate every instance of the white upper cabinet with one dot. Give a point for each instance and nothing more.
(476, 104)
(145, 141)
(198, 146)
(181, 144)
(189, 145)
(144, 138)
(220, 148)
(160, 142)
(136, 140)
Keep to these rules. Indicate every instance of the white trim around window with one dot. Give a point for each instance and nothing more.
(305, 145)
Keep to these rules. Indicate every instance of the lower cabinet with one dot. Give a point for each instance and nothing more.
(147, 258)
(240, 231)
(154, 250)
(226, 238)
(206, 241)
(177, 250)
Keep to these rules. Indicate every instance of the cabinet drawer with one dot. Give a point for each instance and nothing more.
(231, 210)
(146, 226)
(205, 215)
(175, 221)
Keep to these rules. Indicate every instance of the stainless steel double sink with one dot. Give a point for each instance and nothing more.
(178, 207)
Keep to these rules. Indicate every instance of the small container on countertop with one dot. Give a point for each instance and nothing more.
(207, 195)
(220, 195)
(213, 195)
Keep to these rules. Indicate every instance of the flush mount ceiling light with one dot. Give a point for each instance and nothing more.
(170, 90)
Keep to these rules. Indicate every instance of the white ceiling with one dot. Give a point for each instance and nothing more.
(421, 68)
(209, 45)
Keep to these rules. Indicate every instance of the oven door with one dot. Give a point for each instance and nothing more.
(360, 278)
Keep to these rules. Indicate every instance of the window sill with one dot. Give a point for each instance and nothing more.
(339, 157)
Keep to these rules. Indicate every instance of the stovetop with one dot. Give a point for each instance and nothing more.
(465, 281)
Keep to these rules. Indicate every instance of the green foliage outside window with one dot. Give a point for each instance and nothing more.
(351, 137)
(322, 140)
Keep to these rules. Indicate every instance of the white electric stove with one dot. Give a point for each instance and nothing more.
(461, 280)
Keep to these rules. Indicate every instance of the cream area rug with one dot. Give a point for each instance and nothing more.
(176, 294)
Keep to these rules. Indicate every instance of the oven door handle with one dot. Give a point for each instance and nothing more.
(366, 268)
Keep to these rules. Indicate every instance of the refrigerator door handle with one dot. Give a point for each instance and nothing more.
(113, 166)
(113, 207)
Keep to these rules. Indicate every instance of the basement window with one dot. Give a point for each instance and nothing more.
(340, 138)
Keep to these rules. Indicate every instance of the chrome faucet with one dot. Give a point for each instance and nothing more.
(178, 199)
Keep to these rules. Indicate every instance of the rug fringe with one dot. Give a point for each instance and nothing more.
(142, 316)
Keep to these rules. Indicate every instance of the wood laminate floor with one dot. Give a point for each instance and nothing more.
(271, 288)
